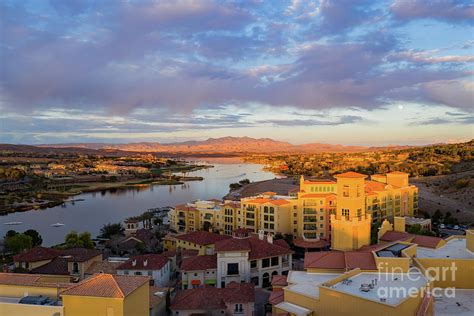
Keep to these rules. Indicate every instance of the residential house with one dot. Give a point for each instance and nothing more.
(157, 267)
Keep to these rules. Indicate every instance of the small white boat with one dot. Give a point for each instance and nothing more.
(57, 224)
(13, 223)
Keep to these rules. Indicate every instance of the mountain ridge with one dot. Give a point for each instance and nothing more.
(224, 145)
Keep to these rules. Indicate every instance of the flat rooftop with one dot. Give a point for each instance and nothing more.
(454, 248)
(390, 288)
(307, 283)
(293, 309)
(462, 304)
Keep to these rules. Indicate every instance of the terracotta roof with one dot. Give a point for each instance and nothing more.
(189, 252)
(257, 248)
(426, 241)
(42, 253)
(209, 298)
(279, 280)
(270, 201)
(199, 263)
(18, 279)
(309, 244)
(104, 266)
(371, 186)
(202, 237)
(107, 285)
(276, 296)
(37, 254)
(334, 259)
(420, 240)
(281, 243)
(169, 253)
(35, 280)
(317, 195)
(57, 266)
(395, 236)
(350, 174)
(80, 254)
(152, 261)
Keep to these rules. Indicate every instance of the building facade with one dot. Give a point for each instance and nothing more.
(307, 212)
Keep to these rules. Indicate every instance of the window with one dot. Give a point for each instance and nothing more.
(239, 308)
(75, 267)
(274, 261)
(138, 273)
(232, 268)
(125, 272)
(265, 263)
(253, 264)
(345, 213)
(345, 191)
(150, 273)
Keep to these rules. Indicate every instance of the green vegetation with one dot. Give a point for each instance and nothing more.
(235, 186)
(11, 174)
(418, 230)
(36, 238)
(109, 230)
(417, 161)
(83, 240)
(19, 243)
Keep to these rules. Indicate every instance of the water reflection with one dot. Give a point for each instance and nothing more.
(102, 207)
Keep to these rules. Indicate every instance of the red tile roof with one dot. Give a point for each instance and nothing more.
(107, 285)
(198, 263)
(18, 279)
(169, 253)
(189, 253)
(145, 262)
(202, 237)
(42, 253)
(276, 296)
(257, 248)
(300, 242)
(340, 260)
(279, 280)
(270, 201)
(80, 254)
(420, 240)
(57, 266)
(350, 174)
(209, 298)
(37, 254)
(371, 186)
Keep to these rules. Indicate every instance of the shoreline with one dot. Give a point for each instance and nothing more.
(57, 198)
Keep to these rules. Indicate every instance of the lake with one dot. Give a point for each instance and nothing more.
(99, 208)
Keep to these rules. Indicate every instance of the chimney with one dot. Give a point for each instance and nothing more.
(270, 238)
(261, 234)
(134, 262)
(145, 262)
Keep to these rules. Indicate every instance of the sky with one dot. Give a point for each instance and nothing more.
(347, 72)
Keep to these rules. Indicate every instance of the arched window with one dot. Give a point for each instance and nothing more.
(265, 280)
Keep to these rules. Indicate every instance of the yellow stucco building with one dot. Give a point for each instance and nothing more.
(306, 213)
(98, 295)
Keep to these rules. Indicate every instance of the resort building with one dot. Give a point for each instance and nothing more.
(66, 262)
(306, 213)
(235, 299)
(157, 267)
(100, 295)
(401, 275)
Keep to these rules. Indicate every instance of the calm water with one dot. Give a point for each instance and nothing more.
(104, 207)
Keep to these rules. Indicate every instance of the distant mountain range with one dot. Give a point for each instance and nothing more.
(223, 145)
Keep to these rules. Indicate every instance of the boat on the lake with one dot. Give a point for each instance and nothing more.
(57, 224)
(13, 223)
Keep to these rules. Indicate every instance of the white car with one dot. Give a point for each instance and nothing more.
(442, 226)
(456, 227)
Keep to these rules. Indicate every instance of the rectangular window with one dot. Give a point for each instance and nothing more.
(265, 263)
(253, 264)
(274, 261)
(232, 268)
